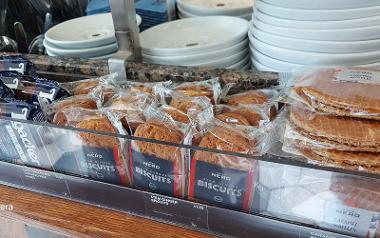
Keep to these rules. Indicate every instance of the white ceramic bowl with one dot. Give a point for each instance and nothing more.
(201, 57)
(260, 67)
(222, 62)
(313, 58)
(240, 64)
(219, 7)
(193, 35)
(316, 15)
(83, 53)
(353, 23)
(84, 32)
(184, 14)
(324, 4)
(348, 34)
(314, 45)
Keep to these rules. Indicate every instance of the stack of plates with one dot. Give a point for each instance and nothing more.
(194, 8)
(291, 34)
(216, 41)
(84, 37)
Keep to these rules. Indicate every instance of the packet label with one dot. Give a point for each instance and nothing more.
(101, 164)
(13, 66)
(352, 221)
(216, 185)
(153, 174)
(358, 76)
(23, 144)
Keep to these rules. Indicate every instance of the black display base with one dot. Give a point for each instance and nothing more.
(174, 211)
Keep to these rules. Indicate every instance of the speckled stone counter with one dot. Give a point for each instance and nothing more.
(68, 69)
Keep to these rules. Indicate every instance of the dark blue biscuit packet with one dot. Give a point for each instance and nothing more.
(14, 80)
(34, 91)
(10, 107)
(5, 92)
(17, 63)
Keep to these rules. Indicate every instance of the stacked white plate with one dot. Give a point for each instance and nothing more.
(215, 41)
(291, 34)
(85, 37)
(236, 8)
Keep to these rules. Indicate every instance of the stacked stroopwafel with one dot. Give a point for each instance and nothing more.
(338, 121)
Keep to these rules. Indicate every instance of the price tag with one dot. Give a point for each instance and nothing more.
(352, 221)
(176, 210)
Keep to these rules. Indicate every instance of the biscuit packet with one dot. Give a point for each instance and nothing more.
(243, 115)
(5, 91)
(128, 107)
(17, 109)
(344, 91)
(18, 64)
(54, 111)
(157, 162)
(86, 86)
(221, 174)
(94, 148)
(209, 88)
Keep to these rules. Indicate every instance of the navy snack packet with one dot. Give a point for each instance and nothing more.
(10, 107)
(17, 63)
(5, 92)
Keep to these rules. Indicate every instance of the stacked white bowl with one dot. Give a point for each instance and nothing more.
(215, 41)
(195, 8)
(288, 35)
(84, 37)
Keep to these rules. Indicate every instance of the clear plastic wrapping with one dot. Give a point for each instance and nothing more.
(158, 167)
(352, 92)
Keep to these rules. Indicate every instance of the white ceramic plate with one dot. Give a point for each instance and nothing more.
(83, 53)
(184, 14)
(197, 58)
(247, 66)
(100, 57)
(223, 62)
(316, 46)
(84, 32)
(275, 63)
(216, 7)
(260, 67)
(316, 15)
(324, 4)
(348, 34)
(313, 58)
(354, 23)
(193, 35)
(240, 64)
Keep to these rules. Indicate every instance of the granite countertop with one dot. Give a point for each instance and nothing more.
(69, 69)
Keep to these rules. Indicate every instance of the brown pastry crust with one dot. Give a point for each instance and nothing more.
(344, 98)
(162, 133)
(176, 114)
(364, 134)
(233, 118)
(141, 89)
(226, 139)
(73, 102)
(85, 87)
(183, 104)
(197, 91)
(369, 162)
(98, 124)
(251, 115)
(251, 97)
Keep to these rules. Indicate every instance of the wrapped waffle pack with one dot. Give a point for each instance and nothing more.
(334, 120)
